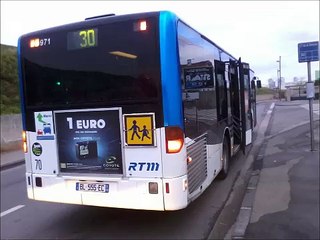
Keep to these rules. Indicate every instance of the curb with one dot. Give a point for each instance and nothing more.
(233, 202)
(239, 191)
(239, 228)
(243, 219)
(290, 128)
(245, 213)
(12, 164)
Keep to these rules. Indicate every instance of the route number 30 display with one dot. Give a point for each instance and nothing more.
(83, 39)
(88, 38)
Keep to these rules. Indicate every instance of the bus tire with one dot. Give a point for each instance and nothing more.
(225, 159)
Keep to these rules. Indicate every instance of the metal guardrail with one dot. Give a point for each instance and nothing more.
(11, 128)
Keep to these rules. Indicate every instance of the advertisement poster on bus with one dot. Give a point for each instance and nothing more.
(44, 125)
(89, 141)
(198, 77)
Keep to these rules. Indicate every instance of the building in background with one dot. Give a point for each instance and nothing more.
(271, 83)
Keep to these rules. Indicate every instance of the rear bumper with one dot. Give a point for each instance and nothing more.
(130, 193)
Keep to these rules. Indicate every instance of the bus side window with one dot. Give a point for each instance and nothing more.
(221, 88)
(198, 86)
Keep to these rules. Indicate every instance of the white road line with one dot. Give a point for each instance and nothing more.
(11, 210)
(271, 108)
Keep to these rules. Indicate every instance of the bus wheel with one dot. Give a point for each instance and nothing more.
(225, 159)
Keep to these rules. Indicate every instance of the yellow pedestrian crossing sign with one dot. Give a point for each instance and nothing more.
(139, 129)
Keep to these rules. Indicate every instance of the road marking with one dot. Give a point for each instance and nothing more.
(271, 108)
(11, 210)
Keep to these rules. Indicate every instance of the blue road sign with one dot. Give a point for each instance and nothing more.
(308, 52)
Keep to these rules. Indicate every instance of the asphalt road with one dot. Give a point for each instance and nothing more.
(28, 219)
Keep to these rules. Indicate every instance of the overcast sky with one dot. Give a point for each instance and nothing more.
(257, 31)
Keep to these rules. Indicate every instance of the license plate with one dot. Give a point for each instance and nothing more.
(92, 187)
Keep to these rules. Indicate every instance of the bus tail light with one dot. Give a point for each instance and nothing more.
(174, 139)
(24, 140)
(167, 188)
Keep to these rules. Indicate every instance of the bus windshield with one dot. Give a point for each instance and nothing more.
(106, 63)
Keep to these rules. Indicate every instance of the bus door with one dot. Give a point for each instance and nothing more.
(247, 117)
(235, 103)
(253, 102)
(246, 111)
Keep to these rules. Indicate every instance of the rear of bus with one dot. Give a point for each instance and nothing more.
(101, 108)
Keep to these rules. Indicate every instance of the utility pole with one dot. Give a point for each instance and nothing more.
(309, 52)
(279, 83)
(310, 96)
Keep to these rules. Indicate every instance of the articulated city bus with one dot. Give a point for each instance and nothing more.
(137, 111)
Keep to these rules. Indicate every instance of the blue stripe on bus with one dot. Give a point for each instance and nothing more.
(170, 73)
(23, 113)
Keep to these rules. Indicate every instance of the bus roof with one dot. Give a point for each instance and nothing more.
(109, 18)
(98, 20)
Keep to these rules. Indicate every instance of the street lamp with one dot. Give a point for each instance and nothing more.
(279, 84)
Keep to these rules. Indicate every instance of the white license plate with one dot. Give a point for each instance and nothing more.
(92, 187)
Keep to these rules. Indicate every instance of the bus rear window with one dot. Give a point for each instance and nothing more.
(104, 63)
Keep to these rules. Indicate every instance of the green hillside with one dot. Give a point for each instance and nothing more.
(9, 90)
(264, 90)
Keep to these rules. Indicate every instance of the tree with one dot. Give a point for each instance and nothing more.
(9, 86)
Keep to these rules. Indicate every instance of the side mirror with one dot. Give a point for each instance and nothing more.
(258, 83)
(253, 84)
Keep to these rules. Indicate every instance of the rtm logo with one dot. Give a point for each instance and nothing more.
(143, 166)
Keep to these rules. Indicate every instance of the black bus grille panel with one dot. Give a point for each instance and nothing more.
(197, 169)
